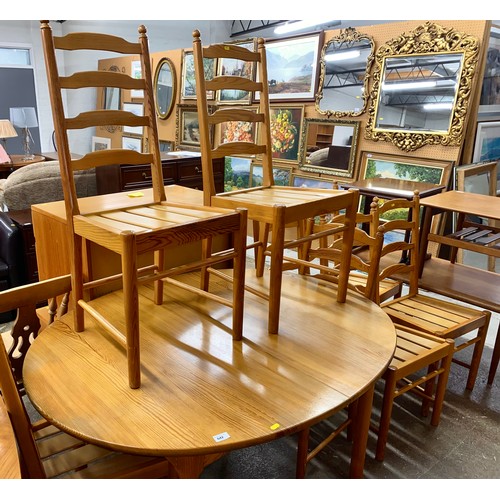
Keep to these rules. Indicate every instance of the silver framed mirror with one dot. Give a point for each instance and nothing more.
(422, 83)
(329, 146)
(165, 84)
(344, 72)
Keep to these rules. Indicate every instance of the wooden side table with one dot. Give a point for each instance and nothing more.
(17, 162)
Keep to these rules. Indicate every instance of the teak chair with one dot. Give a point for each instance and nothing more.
(270, 207)
(432, 315)
(142, 228)
(44, 450)
(414, 352)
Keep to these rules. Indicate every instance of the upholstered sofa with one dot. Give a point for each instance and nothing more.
(41, 183)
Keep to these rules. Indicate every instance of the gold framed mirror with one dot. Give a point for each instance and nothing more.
(165, 83)
(422, 83)
(344, 72)
(329, 147)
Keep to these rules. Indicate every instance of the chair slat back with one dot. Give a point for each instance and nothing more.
(25, 299)
(410, 227)
(260, 143)
(96, 118)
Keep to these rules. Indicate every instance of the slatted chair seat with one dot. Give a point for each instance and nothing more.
(152, 228)
(270, 207)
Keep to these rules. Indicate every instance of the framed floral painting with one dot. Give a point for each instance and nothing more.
(237, 131)
(286, 130)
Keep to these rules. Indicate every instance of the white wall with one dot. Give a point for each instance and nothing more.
(163, 35)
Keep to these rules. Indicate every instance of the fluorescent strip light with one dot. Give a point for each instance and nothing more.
(438, 105)
(298, 25)
(342, 56)
(408, 85)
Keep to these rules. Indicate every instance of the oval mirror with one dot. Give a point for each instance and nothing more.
(164, 88)
(345, 65)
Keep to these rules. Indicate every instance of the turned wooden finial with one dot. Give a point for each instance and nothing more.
(44, 25)
(142, 30)
(196, 34)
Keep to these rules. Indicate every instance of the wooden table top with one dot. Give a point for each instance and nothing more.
(201, 392)
(9, 458)
(481, 205)
(393, 188)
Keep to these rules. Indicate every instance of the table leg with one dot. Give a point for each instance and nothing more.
(192, 466)
(361, 426)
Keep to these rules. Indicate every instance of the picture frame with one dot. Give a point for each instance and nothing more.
(100, 143)
(188, 80)
(237, 173)
(136, 72)
(311, 181)
(187, 128)
(478, 178)
(131, 142)
(137, 108)
(112, 98)
(166, 146)
(236, 67)
(489, 103)
(282, 175)
(487, 143)
(405, 167)
(286, 124)
(292, 67)
(237, 130)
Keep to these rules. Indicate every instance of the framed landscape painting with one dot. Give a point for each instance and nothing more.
(188, 80)
(406, 168)
(292, 67)
(237, 172)
(487, 144)
(282, 175)
(310, 181)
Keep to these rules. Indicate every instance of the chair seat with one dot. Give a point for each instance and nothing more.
(174, 221)
(438, 317)
(254, 200)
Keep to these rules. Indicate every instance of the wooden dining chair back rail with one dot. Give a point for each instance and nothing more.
(44, 450)
(272, 208)
(423, 312)
(151, 228)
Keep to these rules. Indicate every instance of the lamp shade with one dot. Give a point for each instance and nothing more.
(7, 130)
(23, 117)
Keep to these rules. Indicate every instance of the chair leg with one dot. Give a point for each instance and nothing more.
(429, 389)
(260, 260)
(159, 261)
(478, 352)
(131, 307)
(239, 267)
(495, 358)
(442, 384)
(77, 282)
(276, 270)
(386, 412)
(302, 451)
(206, 251)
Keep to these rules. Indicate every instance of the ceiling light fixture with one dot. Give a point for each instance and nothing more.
(342, 56)
(300, 25)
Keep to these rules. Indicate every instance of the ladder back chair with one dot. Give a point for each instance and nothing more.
(420, 363)
(138, 229)
(270, 207)
(426, 313)
(44, 450)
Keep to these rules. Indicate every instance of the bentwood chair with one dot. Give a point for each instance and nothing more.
(44, 450)
(426, 313)
(418, 362)
(131, 231)
(270, 207)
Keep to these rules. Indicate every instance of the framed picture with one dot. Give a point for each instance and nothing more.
(100, 143)
(188, 81)
(188, 128)
(136, 72)
(166, 146)
(137, 109)
(236, 67)
(311, 181)
(404, 167)
(132, 143)
(282, 175)
(236, 131)
(478, 178)
(292, 67)
(487, 144)
(237, 172)
(112, 98)
(489, 103)
(286, 130)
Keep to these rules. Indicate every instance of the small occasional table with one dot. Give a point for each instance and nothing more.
(17, 162)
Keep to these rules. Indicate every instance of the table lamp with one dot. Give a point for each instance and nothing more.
(25, 118)
(7, 130)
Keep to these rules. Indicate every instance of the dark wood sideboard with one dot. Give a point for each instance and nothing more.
(177, 169)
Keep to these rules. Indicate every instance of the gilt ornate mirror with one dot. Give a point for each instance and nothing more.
(328, 147)
(422, 82)
(344, 71)
(164, 88)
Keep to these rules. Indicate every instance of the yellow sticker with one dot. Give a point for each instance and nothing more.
(137, 194)
(226, 47)
(275, 426)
